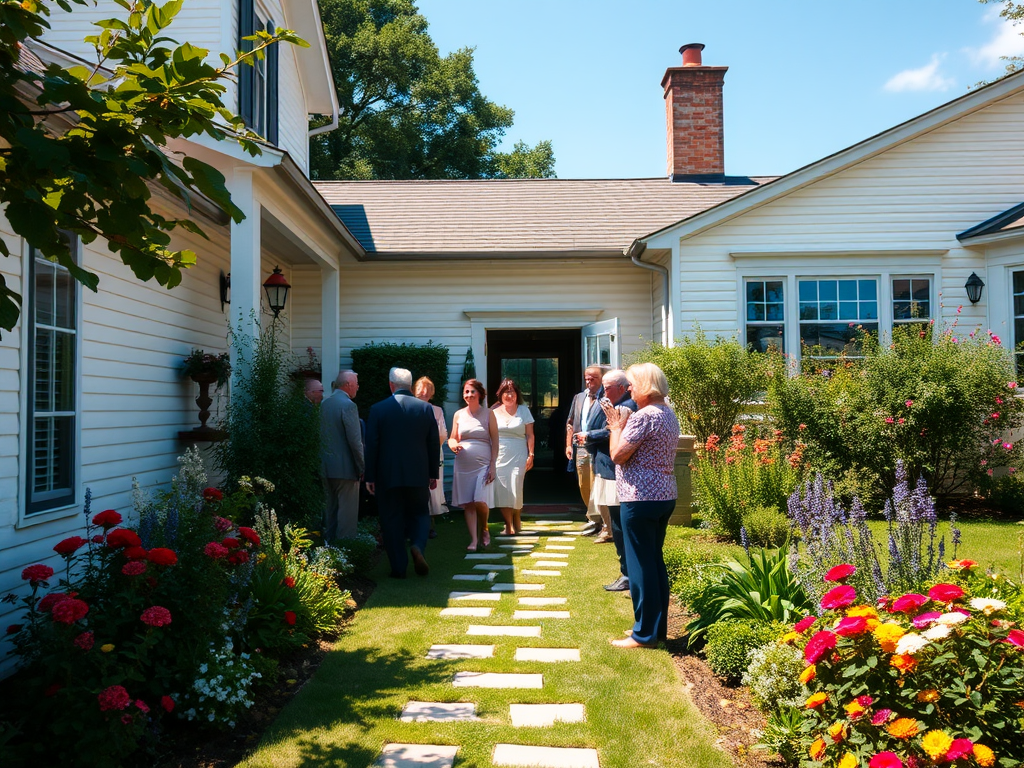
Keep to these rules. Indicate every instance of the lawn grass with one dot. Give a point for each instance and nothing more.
(637, 711)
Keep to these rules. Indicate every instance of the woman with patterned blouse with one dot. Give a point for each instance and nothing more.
(643, 447)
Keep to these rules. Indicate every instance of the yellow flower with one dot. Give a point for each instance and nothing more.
(848, 761)
(905, 728)
(816, 700)
(984, 755)
(817, 749)
(854, 709)
(928, 696)
(862, 610)
(837, 731)
(107, 648)
(888, 635)
(936, 744)
(808, 674)
(873, 624)
(789, 637)
(903, 662)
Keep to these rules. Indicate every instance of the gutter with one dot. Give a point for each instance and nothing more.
(634, 251)
(326, 128)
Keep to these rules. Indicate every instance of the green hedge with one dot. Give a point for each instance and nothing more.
(373, 362)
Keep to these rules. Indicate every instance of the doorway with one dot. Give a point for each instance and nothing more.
(546, 364)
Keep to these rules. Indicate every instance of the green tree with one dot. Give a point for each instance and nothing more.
(1013, 12)
(79, 147)
(406, 111)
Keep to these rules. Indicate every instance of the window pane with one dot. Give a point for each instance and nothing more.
(901, 290)
(868, 289)
(848, 310)
(828, 310)
(604, 349)
(921, 310)
(43, 364)
(775, 311)
(921, 289)
(827, 290)
(591, 350)
(63, 372)
(774, 290)
(755, 291)
(52, 454)
(64, 297)
(833, 338)
(1018, 282)
(901, 310)
(808, 290)
(847, 290)
(808, 311)
(761, 338)
(755, 311)
(44, 292)
(1018, 306)
(869, 310)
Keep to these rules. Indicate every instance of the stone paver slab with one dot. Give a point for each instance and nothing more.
(512, 631)
(514, 547)
(470, 577)
(551, 522)
(416, 756)
(550, 563)
(547, 654)
(497, 680)
(461, 652)
(549, 554)
(517, 587)
(560, 547)
(521, 539)
(489, 597)
(486, 555)
(535, 572)
(493, 567)
(438, 712)
(543, 600)
(544, 757)
(540, 615)
(480, 613)
(541, 715)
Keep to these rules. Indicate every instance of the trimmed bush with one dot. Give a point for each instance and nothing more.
(771, 675)
(691, 570)
(766, 527)
(729, 642)
(373, 362)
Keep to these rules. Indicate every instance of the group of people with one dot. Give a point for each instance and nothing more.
(621, 438)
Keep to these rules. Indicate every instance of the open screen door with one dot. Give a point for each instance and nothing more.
(601, 343)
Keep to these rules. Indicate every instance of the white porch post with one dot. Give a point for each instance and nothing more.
(330, 320)
(245, 259)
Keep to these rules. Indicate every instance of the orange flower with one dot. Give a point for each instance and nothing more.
(862, 610)
(808, 674)
(817, 749)
(837, 731)
(816, 700)
(904, 728)
(985, 756)
(888, 635)
(903, 662)
(928, 695)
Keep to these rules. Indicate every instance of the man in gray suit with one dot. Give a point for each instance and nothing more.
(342, 446)
(403, 451)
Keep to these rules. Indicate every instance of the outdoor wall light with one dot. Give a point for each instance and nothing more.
(277, 291)
(225, 289)
(974, 285)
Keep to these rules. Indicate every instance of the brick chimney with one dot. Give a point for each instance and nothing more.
(693, 111)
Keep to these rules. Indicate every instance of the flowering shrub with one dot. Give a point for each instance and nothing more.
(222, 687)
(773, 673)
(743, 477)
(729, 643)
(921, 679)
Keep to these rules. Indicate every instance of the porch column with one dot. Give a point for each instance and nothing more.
(245, 259)
(330, 320)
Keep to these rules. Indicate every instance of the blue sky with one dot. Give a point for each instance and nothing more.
(805, 78)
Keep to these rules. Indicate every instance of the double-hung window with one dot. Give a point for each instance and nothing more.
(834, 313)
(911, 300)
(258, 84)
(765, 313)
(52, 423)
(1018, 318)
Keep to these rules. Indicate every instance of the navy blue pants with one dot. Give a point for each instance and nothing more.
(644, 524)
(615, 513)
(404, 514)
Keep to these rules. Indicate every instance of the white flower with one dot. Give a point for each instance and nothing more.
(910, 644)
(952, 618)
(938, 632)
(987, 605)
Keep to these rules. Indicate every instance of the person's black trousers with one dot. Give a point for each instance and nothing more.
(620, 546)
(404, 514)
(644, 524)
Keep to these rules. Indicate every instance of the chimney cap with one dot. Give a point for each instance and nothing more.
(691, 54)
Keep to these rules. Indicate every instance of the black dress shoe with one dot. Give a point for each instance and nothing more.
(619, 585)
(591, 529)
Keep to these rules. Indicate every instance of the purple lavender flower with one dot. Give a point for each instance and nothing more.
(744, 539)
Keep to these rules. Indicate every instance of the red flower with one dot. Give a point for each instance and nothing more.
(1016, 637)
(50, 600)
(881, 717)
(289, 618)
(818, 645)
(960, 748)
(115, 697)
(97, 539)
(851, 626)
(885, 760)
(136, 553)
(52, 690)
(156, 616)
(945, 593)
(924, 619)
(222, 524)
(909, 603)
(37, 573)
(839, 597)
(212, 494)
(126, 719)
(143, 707)
(108, 518)
(162, 556)
(249, 535)
(167, 703)
(238, 557)
(133, 568)
(122, 537)
(230, 542)
(289, 582)
(13, 629)
(216, 550)
(69, 611)
(85, 641)
(840, 572)
(69, 546)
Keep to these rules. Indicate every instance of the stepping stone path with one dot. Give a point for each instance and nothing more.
(527, 716)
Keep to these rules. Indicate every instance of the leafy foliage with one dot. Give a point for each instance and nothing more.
(772, 675)
(729, 642)
(406, 111)
(690, 571)
(81, 147)
(373, 361)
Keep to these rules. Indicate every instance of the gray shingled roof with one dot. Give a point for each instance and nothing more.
(517, 215)
(1007, 221)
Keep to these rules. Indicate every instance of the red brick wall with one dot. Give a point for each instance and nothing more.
(693, 112)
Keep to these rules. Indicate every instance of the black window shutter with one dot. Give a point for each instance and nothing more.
(246, 28)
(272, 89)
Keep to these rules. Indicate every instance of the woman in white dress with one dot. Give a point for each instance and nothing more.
(424, 390)
(515, 454)
(474, 441)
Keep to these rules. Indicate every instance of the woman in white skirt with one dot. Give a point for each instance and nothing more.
(515, 454)
(424, 390)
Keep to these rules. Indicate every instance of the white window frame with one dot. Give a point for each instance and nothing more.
(932, 297)
(858, 276)
(1018, 357)
(25, 519)
(743, 307)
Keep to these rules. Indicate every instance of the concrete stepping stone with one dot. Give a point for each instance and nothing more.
(517, 587)
(486, 555)
(480, 613)
(547, 654)
(544, 757)
(551, 522)
(438, 712)
(461, 652)
(489, 597)
(493, 567)
(541, 715)
(518, 537)
(549, 554)
(540, 615)
(543, 600)
(497, 680)
(416, 756)
(472, 577)
(514, 547)
(535, 572)
(509, 631)
(550, 563)
(559, 547)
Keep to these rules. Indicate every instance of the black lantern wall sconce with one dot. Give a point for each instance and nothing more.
(225, 289)
(974, 286)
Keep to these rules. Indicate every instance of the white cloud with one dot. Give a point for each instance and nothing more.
(926, 78)
(1006, 41)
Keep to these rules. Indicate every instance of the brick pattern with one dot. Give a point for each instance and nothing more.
(694, 123)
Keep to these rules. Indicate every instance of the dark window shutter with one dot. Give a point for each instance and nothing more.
(273, 53)
(246, 28)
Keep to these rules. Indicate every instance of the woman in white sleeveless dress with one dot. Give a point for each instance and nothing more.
(424, 390)
(515, 454)
(474, 441)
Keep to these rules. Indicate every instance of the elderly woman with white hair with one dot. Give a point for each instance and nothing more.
(643, 447)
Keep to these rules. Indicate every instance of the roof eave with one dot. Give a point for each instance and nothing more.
(590, 255)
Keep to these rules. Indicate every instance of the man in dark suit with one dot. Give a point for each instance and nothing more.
(402, 458)
(582, 406)
(342, 457)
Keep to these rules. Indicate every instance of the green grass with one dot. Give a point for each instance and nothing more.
(637, 710)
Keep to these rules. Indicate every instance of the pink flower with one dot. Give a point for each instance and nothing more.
(881, 717)
(885, 760)
(890, 420)
(996, 339)
(839, 597)
(222, 524)
(840, 572)
(114, 697)
(143, 707)
(133, 568)
(909, 403)
(945, 593)
(1016, 637)
(1011, 385)
(35, 574)
(908, 603)
(851, 626)
(999, 400)
(1008, 446)
(804, 624)
(818, 645)
(156, 616)
(925, 619)
(216, 550)
(51, 600)
(901, 421)
(959, 748)
(85, 641)
(69, 611)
